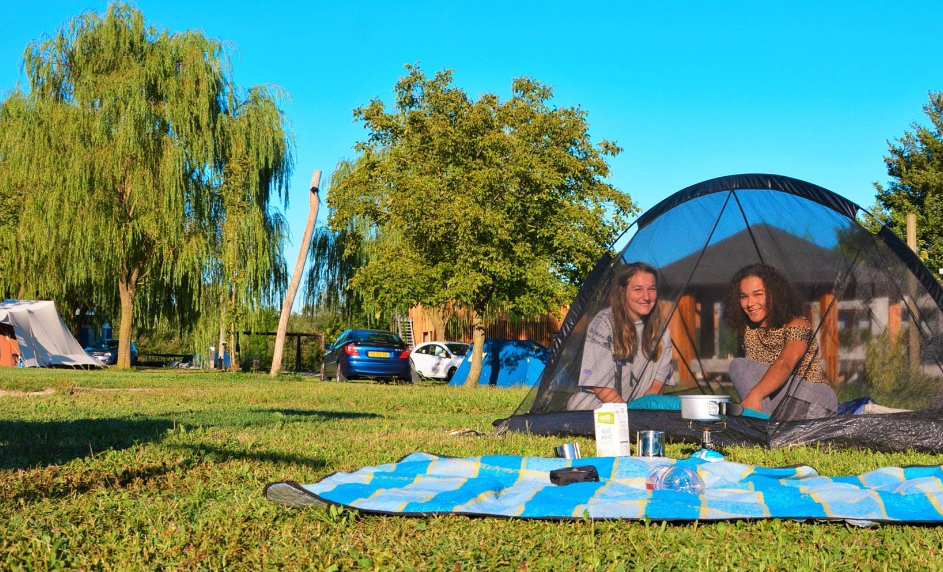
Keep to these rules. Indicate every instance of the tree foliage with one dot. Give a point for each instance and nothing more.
(336, 256)
(146, 172)
(249, 271)
(915, 162)
(478, 202)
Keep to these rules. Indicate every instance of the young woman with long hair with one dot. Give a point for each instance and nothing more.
(627, 352)
(782, 356)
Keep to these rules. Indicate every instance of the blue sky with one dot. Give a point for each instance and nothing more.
(691, 90)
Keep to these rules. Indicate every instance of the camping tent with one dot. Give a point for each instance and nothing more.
(505, 363)
(33, 330)
(874, 307)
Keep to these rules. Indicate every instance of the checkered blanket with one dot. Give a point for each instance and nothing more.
(512, 486)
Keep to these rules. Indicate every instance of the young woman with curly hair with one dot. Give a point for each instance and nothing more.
(627, 353)
(782, 355)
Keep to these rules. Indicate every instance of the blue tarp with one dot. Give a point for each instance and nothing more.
(506, 363)
(514, 486)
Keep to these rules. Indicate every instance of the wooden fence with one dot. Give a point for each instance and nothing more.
(541, 329)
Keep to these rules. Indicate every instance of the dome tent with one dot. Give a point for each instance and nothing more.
(875, 311)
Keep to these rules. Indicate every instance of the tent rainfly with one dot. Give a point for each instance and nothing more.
(876, 313)
(33, 330)
(505, 363)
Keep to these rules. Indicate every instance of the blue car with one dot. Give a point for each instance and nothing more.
(367, 354)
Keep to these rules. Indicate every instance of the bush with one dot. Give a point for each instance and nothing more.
(891, 378)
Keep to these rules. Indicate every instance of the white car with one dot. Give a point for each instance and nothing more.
(438, 360)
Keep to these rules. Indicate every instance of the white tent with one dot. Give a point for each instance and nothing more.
(41, 338)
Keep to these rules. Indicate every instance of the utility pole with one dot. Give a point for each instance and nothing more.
(313, 203)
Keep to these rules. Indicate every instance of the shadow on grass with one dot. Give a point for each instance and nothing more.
(203, 452)
(25, 444)
(323, 415)
(52, 483)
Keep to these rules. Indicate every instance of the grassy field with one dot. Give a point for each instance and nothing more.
(164, 471)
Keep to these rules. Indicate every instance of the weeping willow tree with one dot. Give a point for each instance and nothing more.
(11, 189)
(141, 162)
(335, 256)
(250, 271)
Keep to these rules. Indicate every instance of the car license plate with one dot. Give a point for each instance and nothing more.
(378, 354)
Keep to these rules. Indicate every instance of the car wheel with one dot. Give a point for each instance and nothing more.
(448, 376)
(340, 373)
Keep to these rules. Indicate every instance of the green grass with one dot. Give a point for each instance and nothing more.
(164, 471)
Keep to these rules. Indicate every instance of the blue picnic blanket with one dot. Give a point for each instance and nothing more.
(512, 486)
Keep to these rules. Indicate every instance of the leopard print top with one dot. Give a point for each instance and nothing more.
(765, 344)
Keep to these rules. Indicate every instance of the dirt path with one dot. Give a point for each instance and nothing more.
(14, 393)
(50, 391)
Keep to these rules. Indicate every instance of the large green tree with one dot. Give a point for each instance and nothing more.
(915, 162)
(142, 161)
(481, 203)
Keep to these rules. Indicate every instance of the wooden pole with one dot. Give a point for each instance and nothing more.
(313, 203)
(912, 231)
(682, 328)
(828, 332)
(894, 311)
(913, 334)
(707, 325)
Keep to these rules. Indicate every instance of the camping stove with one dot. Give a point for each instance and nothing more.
(707, 414)
(707, 451)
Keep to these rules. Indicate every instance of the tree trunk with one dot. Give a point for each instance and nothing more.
(313, 202)
(233, 354)
(127, 285)
(221, 348)
(478, 341)
(436, 316)
(76, 319)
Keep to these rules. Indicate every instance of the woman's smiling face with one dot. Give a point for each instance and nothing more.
(753, 300)
(641, 293)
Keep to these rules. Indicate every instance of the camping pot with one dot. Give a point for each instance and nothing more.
(708, 407)
(650, 443)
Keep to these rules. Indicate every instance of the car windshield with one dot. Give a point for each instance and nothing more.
(105, 345)
(458, 348)
(377, 337)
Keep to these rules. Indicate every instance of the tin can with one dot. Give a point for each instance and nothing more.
(650, 443)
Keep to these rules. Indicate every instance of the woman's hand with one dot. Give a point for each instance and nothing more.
(753, 401)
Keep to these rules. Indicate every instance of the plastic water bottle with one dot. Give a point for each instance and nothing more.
(674, 478)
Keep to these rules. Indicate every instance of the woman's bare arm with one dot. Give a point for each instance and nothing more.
(779, 371)
(608, 395)
(656, 388)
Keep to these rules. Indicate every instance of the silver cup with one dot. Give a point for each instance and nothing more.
(650, 443)
(568, 450)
